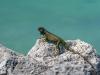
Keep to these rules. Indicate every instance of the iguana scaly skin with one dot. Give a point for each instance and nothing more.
(50, 37)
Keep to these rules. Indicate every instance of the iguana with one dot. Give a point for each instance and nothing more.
(50, 37)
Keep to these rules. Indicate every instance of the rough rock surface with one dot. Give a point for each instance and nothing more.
(40, 60)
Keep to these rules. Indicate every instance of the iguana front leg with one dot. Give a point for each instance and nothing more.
(44, 38)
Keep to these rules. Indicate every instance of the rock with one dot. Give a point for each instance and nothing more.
(67, 63)
(13, 63)
(41, 60)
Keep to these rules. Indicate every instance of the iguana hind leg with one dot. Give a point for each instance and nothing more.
(58, 48)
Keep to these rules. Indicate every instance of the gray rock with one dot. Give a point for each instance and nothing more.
(40, 60)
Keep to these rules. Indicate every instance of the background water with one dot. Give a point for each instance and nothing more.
(70, 19)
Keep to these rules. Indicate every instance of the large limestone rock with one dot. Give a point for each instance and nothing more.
(40, 60)
(67, 63)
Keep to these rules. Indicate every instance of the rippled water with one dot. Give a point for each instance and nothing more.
(70, 19)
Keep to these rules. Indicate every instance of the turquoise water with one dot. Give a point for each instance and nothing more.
(70, 19)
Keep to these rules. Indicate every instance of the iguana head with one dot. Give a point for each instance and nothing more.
(42, 30)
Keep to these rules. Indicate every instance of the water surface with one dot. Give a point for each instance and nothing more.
(70, 19)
